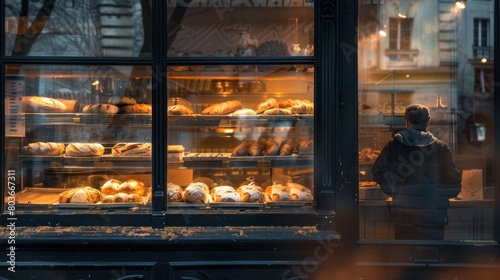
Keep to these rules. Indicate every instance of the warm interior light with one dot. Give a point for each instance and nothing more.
(382, 33)
(95, 83)
(401, 15)
(484, 60)
(460, 4)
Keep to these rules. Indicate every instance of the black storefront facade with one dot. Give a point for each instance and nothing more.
(165, 53)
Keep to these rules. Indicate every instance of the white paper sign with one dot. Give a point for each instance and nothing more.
(472, 184)
(14, 117)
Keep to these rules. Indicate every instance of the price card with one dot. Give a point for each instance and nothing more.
(472, 184)
(14, 117)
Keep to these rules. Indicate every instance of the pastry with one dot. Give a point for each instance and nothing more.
(298, 192)
(84, 149)
(72, 106)
(196, 193)
(277, 192)
(179, 110)
(277, 111)
(207, 181)
(288, 103)
(121, 100)
(110, 187)
(305, 147)
(251, 193)
(80, 195)
(242, 149)
(225, 194)
(44, 149)
(131, 149)
(40, 104)
(174, 193)
(136, 109)
(132, 186)
(110, 198)
(268, 104)
(223, 108)
(100, 108)
(272, 148)
(257, 148)
(287, 148)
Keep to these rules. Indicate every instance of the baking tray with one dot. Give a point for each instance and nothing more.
(113, 119)
(39, 196)
(125, 158)
(288, 203)
(97, 205)
(206, 156)
(236, 205)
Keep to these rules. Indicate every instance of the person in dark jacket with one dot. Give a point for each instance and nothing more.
(418, 171)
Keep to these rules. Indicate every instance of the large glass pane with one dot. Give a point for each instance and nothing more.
(438, 54)
(78, 138)
(77, 28)
(240, 28)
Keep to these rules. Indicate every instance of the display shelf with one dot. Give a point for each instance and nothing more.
(238, 121)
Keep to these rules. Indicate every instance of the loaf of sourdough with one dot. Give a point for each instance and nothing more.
(251, 193)
(196, 193)
(277, 192)
(131, 149)
(225, 194)
(110, 187)
(100, 109)
(174, 192)
(80, 195)
(299, 192)
(132, 186)
(136, 109)
(44, 149)
(40, 104)
(84, 149)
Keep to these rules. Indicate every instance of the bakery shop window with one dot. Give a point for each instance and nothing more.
(407, 191)
(78, 137)
(77, 28)
(241, 140)
(240, 29)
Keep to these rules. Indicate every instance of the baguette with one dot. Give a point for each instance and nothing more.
(44, 149)
(40, 104)
(84, 149)
(226, 107)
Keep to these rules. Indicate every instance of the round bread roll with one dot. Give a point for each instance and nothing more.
(110, 198)
(133, 197)
(120, 198)
(121, 100)
(244, 112)
(277, 192)
(110, 187)
(80, 195)
(251, 193)
(132, 186)
(299, 192)
(225, 194)
(179, 110)
(196, 193)
(44, 149)
(84, 149)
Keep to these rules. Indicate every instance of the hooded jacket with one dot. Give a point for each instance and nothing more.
(418, 171)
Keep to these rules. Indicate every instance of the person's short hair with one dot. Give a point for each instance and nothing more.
(417, 114)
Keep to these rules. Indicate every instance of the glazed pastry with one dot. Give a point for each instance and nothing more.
(196, 193)
(44, 149)
(174, 193)
(84, 149)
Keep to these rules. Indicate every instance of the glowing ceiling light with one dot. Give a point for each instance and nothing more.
(382, 33)
(484, 60)
(460, 4)
(401, 15)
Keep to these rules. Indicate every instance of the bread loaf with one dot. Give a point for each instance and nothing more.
(174, 193)
(40, 104)
(72, 106)
(224, 108)
(196, 193)
(277, 111)
(84, 149)
(244, 112)
(131, 149)
(80, 195)
(267, 104)
(44, 149)
(136, 109)
(302, 108)
(121, 100)
(100, 109)
(133, 197)
(179, 110)
(120, 198)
